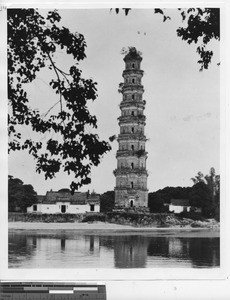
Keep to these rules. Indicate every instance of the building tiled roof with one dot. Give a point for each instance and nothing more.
(52, 197)
(93, 198)
(40, 198)
(180, 202)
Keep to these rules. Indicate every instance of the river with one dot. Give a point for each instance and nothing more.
(72, 249)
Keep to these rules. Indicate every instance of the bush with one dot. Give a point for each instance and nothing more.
(46, 218)
(126, 215)
(94, 218)
(191, 215)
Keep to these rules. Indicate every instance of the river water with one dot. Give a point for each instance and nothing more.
(70, 249)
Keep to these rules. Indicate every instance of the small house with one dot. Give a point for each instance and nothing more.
(179, 205)
(63, 201)
(182, 205)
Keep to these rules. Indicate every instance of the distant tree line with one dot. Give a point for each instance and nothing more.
(205, 193)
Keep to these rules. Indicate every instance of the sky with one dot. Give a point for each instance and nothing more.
(182, 104)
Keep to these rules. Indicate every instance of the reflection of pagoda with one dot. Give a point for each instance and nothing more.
(131, 175)
(130, 251)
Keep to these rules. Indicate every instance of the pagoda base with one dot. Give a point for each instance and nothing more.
(131, 198)
(135, 210)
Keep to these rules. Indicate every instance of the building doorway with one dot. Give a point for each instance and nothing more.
(63, 208)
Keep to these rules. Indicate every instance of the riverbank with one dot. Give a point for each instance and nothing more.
(103, 228)
(67, 226)
(109, 221)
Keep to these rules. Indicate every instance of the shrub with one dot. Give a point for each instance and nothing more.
(191, 215)
(94, 218)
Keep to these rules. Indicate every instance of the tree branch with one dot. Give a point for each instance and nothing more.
(55, 69)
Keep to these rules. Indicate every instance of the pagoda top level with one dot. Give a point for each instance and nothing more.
(133, 54)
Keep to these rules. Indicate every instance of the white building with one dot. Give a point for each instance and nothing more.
(179, 205)
(63, 202)
(182, 205)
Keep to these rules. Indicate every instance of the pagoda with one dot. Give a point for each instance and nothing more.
(131, 174)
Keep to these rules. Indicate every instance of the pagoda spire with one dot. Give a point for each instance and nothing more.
(131, 174)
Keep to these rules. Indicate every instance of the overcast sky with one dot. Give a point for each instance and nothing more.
(182, 104)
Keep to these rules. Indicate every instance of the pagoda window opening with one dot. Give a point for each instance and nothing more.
(132, 129)
(133, 96)
(132, 165)
(132, 184)
(132, 113)
(133, 80)
(133, 65)
(132, 147)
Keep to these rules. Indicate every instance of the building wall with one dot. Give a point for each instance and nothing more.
(56, 208)
(124, 197)
(126, 181)
(127, 145)
(178, 209)
(131, 128)
(131, 162)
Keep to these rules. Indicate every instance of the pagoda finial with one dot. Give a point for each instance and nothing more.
(131, 53)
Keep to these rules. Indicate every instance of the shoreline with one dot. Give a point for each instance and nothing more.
(107, 228)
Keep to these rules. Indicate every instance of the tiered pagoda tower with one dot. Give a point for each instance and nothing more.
(131, 175)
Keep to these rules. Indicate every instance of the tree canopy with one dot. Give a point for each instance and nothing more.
(200, 27)
(205, 193)
(107, 201)
(156, 203)
(20, 195)
(33, 41)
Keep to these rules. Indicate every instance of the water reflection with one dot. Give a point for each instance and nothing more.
(21, 246)
(158, 246)
(130, 251)
(116, 251)
(63, 244)
(205, 251)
